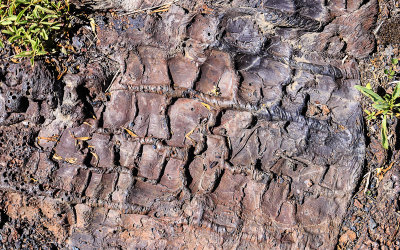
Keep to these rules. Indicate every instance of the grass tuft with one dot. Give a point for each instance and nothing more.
(30, 25)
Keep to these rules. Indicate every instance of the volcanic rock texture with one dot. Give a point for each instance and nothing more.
(209, 125)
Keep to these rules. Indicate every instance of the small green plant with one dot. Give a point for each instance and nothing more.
(28, 25)
(392, 71)
(385, 107)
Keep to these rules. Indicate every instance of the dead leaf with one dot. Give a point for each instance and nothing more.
(380, 172)
(206, 105)
(93, 25)
(130, 132)
(187, 136)
(83, 138)
(163, 8)
(57, 157)
(62, 73)
(95, 156)
(15, 60)
(52, 138)
(71, 160)
(86, 123)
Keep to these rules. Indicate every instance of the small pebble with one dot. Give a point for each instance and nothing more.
(308, 183)
(372, 224)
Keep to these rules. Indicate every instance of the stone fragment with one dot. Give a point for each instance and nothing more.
(99, 215)
(315, 211)
(172, 28)
(68, 147)
(64, 177)
(150, 163)
(274, 197)
(107, 185)
(120, 111)
(83, 214)
(287, 214)
(123, 185)
(102, 146)
(217, 75)
(185, 115)
(349, 235)
(150, 120)
(44, 167)
(133, 70)
(93, 187)
(81, 181)
(243, 35)
(204, 29)
(183, 71)
(155, 66)
(113, 218)
(172, 176)
(128, 152)
(145, 194)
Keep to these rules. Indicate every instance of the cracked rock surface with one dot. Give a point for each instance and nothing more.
(208, 125)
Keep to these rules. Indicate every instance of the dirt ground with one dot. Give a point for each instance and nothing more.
(202, 125)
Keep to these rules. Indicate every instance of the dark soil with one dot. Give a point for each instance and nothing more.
(215, 124)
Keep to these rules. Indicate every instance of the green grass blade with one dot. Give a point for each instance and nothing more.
(385, 142)
(383, 107)
(396, 91)
(48, 11)
(5, 22)
(21, 14)
(367, 92)
(14, 38)
(24, 54)
(48, 17)
(44, 35)
(7, 32)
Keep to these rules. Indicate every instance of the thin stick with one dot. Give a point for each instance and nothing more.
(112, 81)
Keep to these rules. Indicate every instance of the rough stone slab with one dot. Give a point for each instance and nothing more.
(231, 125)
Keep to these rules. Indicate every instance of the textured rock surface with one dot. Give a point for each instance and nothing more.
(227, 126)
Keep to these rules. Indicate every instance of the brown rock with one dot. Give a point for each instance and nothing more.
(150, 120)
(65, 176)
(172, 175)
(107, 183)
(150, 163)
(183, 71)
(287, 214)
(83, 213)
(123, 185)
(120, 111)
(217, 75)
(68, 148)
(93, 187)
(102, 146)
(145, 194)
(155, 66)
(349, 235)
(185, 115)
(203, 29)
(81, 180)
